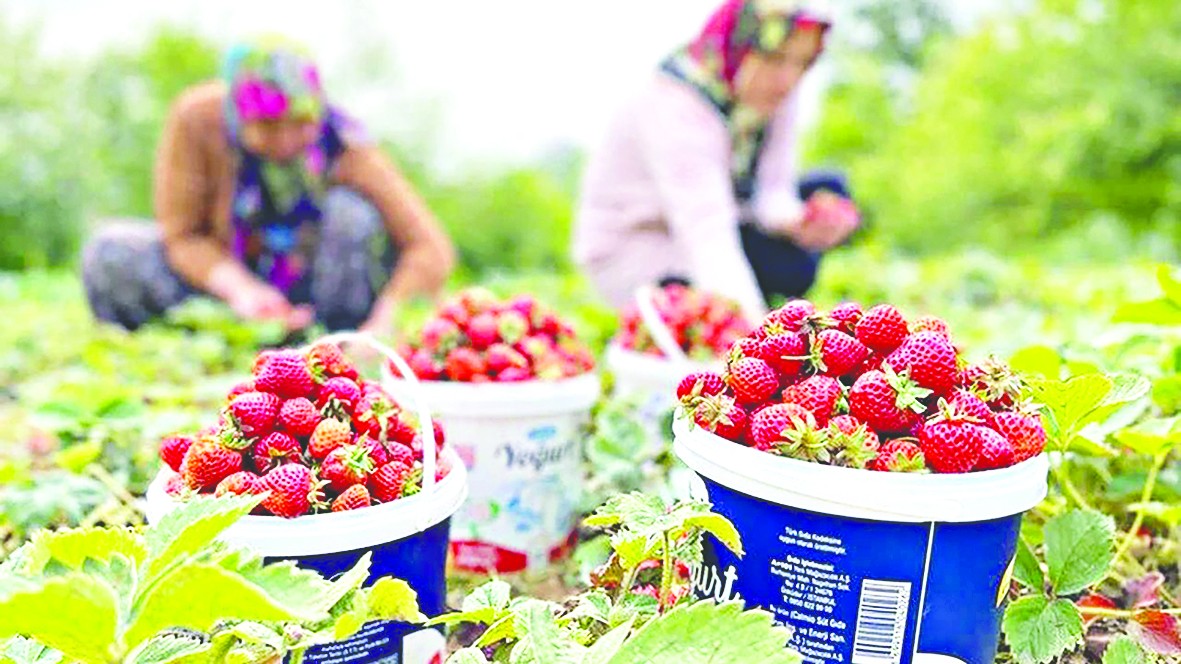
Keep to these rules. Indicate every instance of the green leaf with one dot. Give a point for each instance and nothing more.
(468, 656)
(1160, 311)
(20, 650)
(1153, 436)
(1070, 402)
(299, 589)
(725, 631)
(637, 509)
(168, 648)
(1039, 630)
(609, 644)
(484, 603)
(1080, 546)
(393, 599)
(1166, 393)
(256, 634)
(632, 550)
(1040, 360)
(1168, 513)
(191, 526)
(720, 527)
(1124, 650)
(196, 595)
(75, 614)
(540, 641)
(1125, 389)
(594, 604)
(503, 628)
(76, 458)
(1169, 283)
(1028, 572)
(72, 547)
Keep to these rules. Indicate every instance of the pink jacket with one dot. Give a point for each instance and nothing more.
(657, 199)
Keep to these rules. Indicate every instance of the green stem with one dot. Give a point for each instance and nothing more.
(113, 485)
(1121, 613)
(1145, 496)
(666, 572)
(1068, 486)
(625, 587)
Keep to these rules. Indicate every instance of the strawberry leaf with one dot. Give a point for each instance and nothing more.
(1039, 630)
(1094, 601)
(1080, 546)
(1152, 437)
(1169, 283)
(192, 526)
(76, 614)
(1069, 402)
(539, 638)
(609, 644)
(1145, 591)
(393, 599)
(468, 656)
(1028, 571)
(729, 634)
(1124, 650)
(20, 650)
(1167, 513)
(1157, 631)
(1040, 360)
(167, 648)
(718, 526)
(1160, 311)
(71, 548)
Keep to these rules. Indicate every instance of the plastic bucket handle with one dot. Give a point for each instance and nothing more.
(655, 324)
(426, 427)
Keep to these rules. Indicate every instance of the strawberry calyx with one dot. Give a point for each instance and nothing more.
(804, 441)
(231, 435)
(910, 394)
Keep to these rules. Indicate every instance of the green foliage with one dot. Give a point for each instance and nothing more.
(1038, 629)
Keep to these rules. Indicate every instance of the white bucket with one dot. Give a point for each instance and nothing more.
(650, 382)
(522, 444)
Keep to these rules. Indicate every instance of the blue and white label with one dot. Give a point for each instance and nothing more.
(859, 591)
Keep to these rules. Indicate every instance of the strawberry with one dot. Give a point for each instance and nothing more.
(930, 324)
(882, 329)
(697, 385)
(452, 310)
(971, 406)
(873, 362)
(353, 498)
(347, 465)
(477, 300)
(930, 359)
(513, 326)
(395, 452)
(817, 394)
(1024, 431)
(424, 365)
(996, 451)
(298, 417)
(439, 433)
(260, 360)
(752, 380)
(255, 413)
(720, 415)
(784, 352)
(855, 444)
(745, 347)
(525, 305)
(338, 397)
(503, 356)
(372, 414)
(176, 487)
(327, 360)
(173, 448)
(292, 489)
(463, 364)
(993, 381)
(440, 335)
(793, 314)
(836, 353)
(789, 430)
(901, 455)
(388, 482)
(482, 331)
(239, 484)
(886, 401)
(950, 442)
(285, 374)
(208, 462)
(273, 449)
(239, 389)
(514, 375)
(846, 315)
(442, 468)
(402, 427)
(329, 435)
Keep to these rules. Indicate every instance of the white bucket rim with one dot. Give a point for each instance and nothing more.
(619, 359)
(505, 400)
(863, 494)
(334, 532)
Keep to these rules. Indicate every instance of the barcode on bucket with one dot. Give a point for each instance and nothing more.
(881, 622)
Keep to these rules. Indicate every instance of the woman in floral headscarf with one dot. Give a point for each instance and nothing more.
(273, 200)
(695, 180)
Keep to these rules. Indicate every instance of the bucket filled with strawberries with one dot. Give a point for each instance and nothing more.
(513, 385)
(345, 469)
(878, 481)
(664, 334)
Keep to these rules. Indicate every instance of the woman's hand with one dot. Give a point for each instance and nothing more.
(380, 323)
(828, 220)
(254, 299)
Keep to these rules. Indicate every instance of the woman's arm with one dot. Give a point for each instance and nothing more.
(688, 153)
(777, 206)
(426, 256)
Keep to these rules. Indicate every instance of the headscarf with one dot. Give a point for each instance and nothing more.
(276, 202)
(710, 64)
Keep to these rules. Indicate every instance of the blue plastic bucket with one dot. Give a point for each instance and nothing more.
(865, 567)
(407, 537)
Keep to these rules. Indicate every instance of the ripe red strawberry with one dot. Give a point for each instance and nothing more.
(353, 498)
(255, 412)
(273, 449)
(327, 360)
(298, 417)
(463, 364)
(208, 462)
(260, 360)
(846, 315)
(1024, 431)
(239, 389)
(440, 335)
(340, 391)
(887, 402)
(971, 406)
(388, 482)
(372, 414)
(173, 448)
(745, 347)
(285, 373)
(424, 365)
(482, 331)
(996, 451)
(176, 487)
(503, 356)
(930, 324)
(393, 452)
(525, 305)
(855, 444)
(721, 415)
(873, 362)
(837, 354)
(514, 375)
(347, 465)
(816, 394)
(512, 326)
(993, 381)
(329, 435)
(792, 315)
(292, 490)
(790, 430)
(784, 352)
(752, 380)
(882, 329)
(929, 358)
(239, 484)
(901, 455)
(699, 384)
(950, 443)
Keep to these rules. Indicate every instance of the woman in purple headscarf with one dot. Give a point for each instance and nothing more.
(270, 198)
(696, 179)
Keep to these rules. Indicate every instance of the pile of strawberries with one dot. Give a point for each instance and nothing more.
(865, 389)
(475, 338)
(705, 326)
(310, 432)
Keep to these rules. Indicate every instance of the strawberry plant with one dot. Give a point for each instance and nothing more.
(173, 593)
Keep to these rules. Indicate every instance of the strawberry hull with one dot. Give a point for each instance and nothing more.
(865, 566)
(408, 539)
